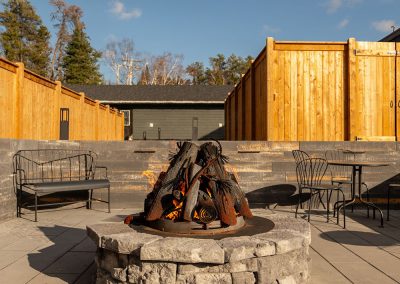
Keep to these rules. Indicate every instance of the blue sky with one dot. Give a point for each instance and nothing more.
(198, 29)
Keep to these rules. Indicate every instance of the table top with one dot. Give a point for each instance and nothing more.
(358, 163)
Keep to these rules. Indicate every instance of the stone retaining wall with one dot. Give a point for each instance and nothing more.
(278, 256)
(265, 168)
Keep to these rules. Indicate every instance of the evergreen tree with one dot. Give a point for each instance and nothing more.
(216, 74)
(197, 72)
(80, 63)
(145, 76)
(24, 37)
(236, 66)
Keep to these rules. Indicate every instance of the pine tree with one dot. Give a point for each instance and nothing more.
(80, 60)
(25, 38)
(145, 76)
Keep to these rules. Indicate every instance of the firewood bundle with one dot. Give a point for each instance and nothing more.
(196, 187)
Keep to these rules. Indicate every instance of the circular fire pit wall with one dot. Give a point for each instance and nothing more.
(126, 255)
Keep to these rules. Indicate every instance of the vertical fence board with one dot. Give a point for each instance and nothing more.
(300, 96)
(233, 116)
(240, 114)
(248, 102)
(397, 72)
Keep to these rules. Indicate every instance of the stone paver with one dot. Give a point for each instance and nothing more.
(54, 278)
(57, 250)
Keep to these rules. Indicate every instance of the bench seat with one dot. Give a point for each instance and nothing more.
(60, 186)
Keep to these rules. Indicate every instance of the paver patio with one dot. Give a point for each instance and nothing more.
(57, 250)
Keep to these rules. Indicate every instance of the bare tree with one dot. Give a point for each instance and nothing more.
(125, 63)
(65, 17)
(166, 69)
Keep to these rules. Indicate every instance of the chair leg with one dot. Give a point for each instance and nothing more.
(298, 203)
(388, 204)
(88, 200)
(334, 206)
(309, 205)
(344, 211)
(91, 198)
(109, 205)
(337, 213)
(18, 203)
(301, 204)
(367, 206)
(36, 203)
(327, 206)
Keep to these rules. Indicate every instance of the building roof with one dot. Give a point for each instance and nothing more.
(124, 94)
(392, 36)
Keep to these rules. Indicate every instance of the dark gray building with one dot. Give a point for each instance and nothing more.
(165, 112)
(392, 37)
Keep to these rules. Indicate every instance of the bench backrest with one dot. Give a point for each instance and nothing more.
(52, 165)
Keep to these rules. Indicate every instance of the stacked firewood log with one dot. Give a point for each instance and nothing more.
(196, 187)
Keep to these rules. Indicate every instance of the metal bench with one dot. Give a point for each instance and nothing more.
(45, 171)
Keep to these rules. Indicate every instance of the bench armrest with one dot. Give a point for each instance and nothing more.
(19, 176)
(101, 167)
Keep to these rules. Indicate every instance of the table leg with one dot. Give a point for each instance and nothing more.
(352, 192)
(367, 203)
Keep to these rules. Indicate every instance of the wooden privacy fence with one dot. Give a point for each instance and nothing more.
(317, 91)
(30, 108)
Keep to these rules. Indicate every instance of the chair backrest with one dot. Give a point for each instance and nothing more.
(50, 165)
(310, 172)
(300, 156)
(337, 171)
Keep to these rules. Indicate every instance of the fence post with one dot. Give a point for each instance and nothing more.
(117, 125)
(17, 95)
(55, 132)
(350, 126)
(97, 120)
(268, 101)
(253, 102)
(122, 126)
(397, 91)
(80, 120)
(226, 119)
(107, 123)
(236, 114)
(243, 106)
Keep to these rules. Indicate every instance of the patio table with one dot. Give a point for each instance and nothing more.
(357, 168)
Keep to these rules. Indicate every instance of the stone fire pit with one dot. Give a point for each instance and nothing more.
(280, 255)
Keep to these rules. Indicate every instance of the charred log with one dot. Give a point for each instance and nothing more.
(188, 151)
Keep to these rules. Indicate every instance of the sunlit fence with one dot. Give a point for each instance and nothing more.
(318, 91)
(33, 107)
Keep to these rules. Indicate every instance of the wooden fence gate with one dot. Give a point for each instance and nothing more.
(372, 89)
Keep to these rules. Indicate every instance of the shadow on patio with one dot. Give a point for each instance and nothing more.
(69, 256)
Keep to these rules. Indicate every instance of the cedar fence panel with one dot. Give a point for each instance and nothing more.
(8, 88)
(30, 109)
(259, 94)
(319, 91)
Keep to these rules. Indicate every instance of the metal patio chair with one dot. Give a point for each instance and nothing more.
(300, 156)
(342, 175)
(310, 173)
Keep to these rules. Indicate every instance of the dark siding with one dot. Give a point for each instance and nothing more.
(175, 122)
